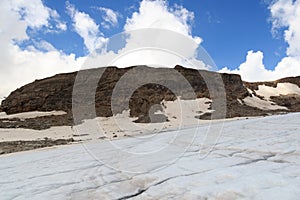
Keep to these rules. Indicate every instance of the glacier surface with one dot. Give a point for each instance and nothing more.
(249, 159)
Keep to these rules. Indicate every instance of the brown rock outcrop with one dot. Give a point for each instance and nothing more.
(144, 88)
(55, 93)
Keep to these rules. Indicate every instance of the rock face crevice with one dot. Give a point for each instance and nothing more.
(55, 93)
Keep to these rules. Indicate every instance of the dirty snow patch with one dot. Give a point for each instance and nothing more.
(281, 89)
(28, 115)
(262, 104)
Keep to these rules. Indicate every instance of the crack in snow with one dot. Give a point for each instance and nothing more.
(142, 190)
(265, 158)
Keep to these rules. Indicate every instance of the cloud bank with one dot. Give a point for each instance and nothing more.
(21, 66)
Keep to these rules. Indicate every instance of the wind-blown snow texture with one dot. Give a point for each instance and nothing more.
(253, 159)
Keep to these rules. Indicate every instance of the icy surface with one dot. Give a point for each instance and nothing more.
(252, 159)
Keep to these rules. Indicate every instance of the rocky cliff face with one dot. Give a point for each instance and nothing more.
(55, 93)
(42, 95)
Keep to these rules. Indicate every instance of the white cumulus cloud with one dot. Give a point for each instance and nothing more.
(87, 28)
(157, 14)
(157, 35)
(285, 14)
(109, 16)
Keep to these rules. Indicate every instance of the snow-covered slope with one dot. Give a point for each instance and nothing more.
(253, 159)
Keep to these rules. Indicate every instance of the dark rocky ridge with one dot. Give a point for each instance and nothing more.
(55, 93)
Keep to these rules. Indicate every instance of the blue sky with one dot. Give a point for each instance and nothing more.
(258, 39)
(229, 29)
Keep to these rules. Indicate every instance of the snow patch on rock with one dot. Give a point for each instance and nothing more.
(254, 101)
(263, 104)
(281, 89)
